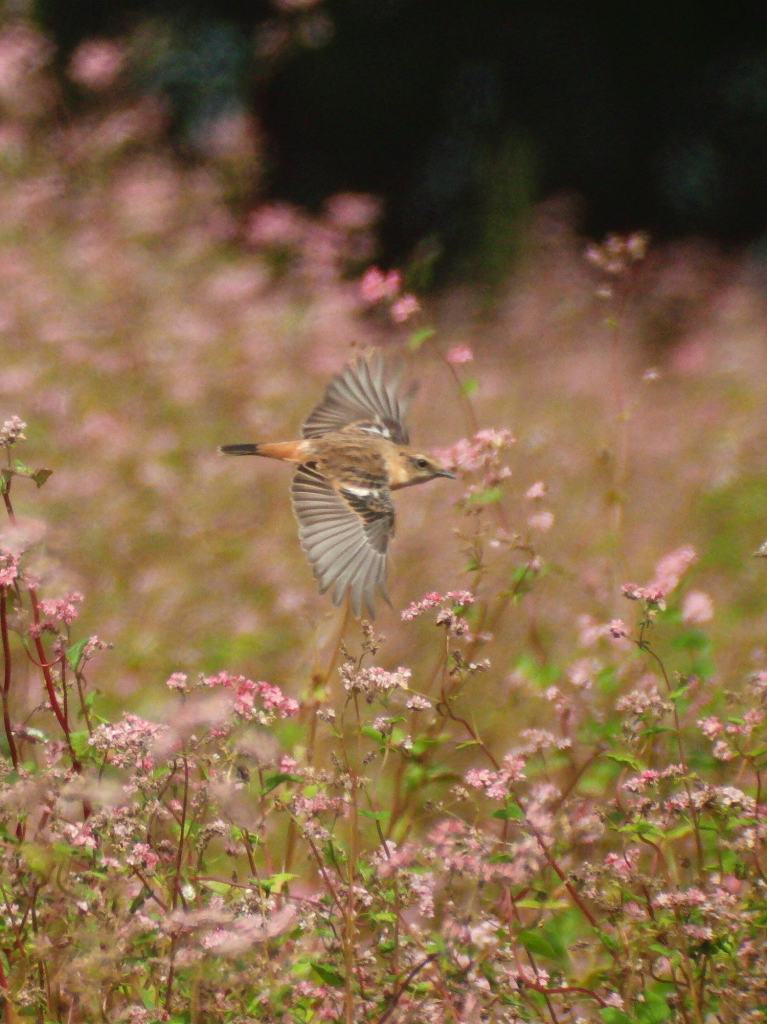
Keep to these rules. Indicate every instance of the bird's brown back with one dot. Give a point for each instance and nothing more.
(352, 458)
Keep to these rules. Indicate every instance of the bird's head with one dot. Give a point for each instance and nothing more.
(411, 467)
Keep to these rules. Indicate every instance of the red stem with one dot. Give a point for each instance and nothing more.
(7, 680)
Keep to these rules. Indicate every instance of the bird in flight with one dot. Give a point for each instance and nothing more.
(353, 453)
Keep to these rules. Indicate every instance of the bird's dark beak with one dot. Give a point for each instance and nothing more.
(445, 472)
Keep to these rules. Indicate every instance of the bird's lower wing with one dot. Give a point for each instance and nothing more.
(345, 535)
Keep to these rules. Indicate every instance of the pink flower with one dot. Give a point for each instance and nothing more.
(11, 431)
(64, 610)
(353, 211)
(377, 285)
(536, 491)
(96, 63)
(143, 856)
(404, 308)
(9, 568)
(497, 784)
(436, 600)
(177, 681)
(275, 225)
(459, 354)
(711, 727)
(618, 629)
(723, 751)
(254, 701)
(697, 607)
(671, 568)
(542, 521)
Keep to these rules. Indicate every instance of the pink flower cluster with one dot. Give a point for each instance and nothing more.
(9, 568)
(497, 784)
(459, 354)
(464, 598)
(11, 431)
(668, 573)
(480, 454)
(617, 252)
(373, 680)
(96, 63)
(651, 776)
(127, 742)
(254, 701)
(64, 610)
(379, 286)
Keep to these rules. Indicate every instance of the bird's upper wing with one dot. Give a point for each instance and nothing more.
(367, 394)
(345, 534)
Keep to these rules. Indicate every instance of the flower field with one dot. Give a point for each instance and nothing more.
(532, 789)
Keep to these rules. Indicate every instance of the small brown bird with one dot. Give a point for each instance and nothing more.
(353, 454)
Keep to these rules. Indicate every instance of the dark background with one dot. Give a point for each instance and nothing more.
(461, 115)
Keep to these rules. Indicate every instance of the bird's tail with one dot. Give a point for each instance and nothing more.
(239, 449)
(288, 451)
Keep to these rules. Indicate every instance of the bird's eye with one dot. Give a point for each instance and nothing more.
(422, 463)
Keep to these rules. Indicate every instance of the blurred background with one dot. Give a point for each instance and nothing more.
(189, 195)
(462, 116)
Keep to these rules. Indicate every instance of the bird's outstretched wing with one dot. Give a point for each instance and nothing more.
(345, 534)
(367, 394)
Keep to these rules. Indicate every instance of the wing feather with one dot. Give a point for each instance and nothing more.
(345, 536)
(367, 391)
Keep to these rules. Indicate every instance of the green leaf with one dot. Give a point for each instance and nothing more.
(417, 338)
(384, 917)
(470, 386)
(40, 476)
(328, 974)
(75, 653)
(275, 883)
(611, 1015)
(273, 781)
(622, 757)
(542, 904)
(80, 743)
(536, 942)
(219, 888)
(489, 496)
(655, 1008)
(511, 812)
(609, 941)
(375, 815)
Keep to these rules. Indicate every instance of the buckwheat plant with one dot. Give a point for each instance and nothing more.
(540, 799)
(370, 856)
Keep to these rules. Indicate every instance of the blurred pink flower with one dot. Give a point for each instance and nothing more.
(542, 521)
(23, 52)
(537, 490)
(276, 224)
(9, 568)
(353, 211)
(404, 308)
(11, 431)
(459, 354)
(671, 568)
(64, 610)
(697, 607)
(143, 856)
(96, 63)
(497, 784)
(377, 285)
(436, 600)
